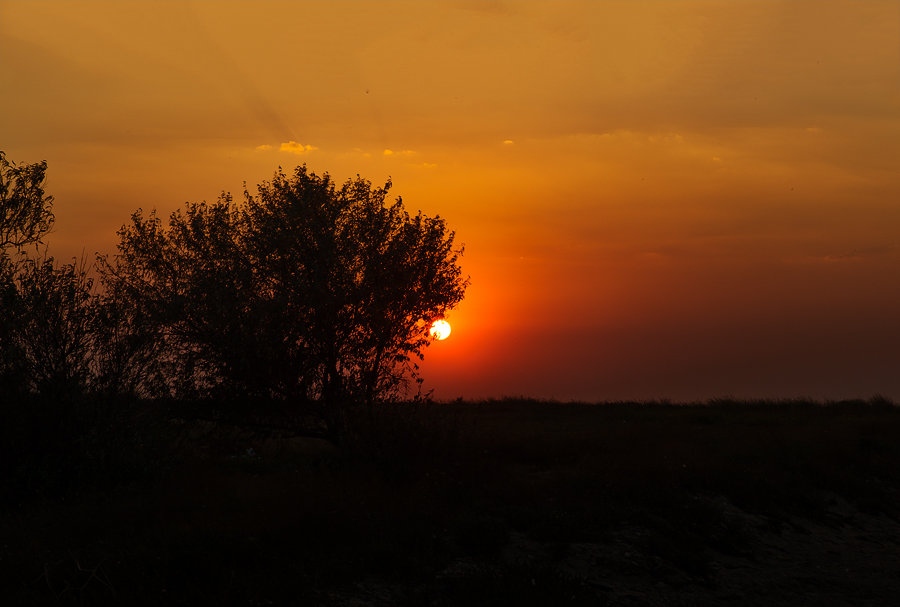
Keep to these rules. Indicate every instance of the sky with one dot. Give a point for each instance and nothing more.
(664, 199)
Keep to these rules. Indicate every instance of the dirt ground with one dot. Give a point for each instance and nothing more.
(852, 559)
(511, 504)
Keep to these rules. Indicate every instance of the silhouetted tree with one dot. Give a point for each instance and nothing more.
(25, 211)
(55, 338)
(25, 217)
(48, 320)
(55, 327)
(125, 348)
(360, 275)
(188, 291)
(12, 369)
(306, 290)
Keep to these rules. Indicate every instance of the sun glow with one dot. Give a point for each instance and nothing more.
(440, 329)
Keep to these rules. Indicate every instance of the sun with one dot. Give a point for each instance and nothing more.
(440, 329)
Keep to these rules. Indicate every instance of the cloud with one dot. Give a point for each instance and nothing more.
(508, 142)
(297, 148)
(264, 147)
(404, 153)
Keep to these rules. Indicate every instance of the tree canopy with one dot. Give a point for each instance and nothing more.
(25, 211)
(25, 217)
(305, 289)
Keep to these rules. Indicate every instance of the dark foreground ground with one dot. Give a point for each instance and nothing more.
(497, 503)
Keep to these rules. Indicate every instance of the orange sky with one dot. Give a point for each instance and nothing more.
(659, 199)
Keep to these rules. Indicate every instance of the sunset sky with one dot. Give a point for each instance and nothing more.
(658, 199)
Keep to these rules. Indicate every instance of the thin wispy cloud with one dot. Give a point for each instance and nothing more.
(402, 153)
(297, 148)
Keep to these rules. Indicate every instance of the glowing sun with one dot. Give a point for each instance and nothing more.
(440, 329)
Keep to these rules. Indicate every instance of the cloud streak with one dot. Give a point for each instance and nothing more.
(402, 153)
(293, 147)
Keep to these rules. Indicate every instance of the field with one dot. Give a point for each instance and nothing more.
(507, 502)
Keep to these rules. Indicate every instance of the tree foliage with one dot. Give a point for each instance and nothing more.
(25, 211)
(54, 327)
(25, 217)
(306, 289)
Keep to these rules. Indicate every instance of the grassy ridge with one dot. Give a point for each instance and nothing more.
(499, 502)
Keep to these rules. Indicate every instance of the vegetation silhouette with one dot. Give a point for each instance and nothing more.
(55, 326)
(60, 427)
(25, 210)
(305, 291)
(315, 296)
(309, 293)
(25, 218)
